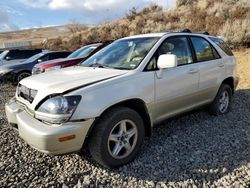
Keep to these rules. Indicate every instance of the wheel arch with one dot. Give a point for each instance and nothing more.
(229, 81)
(139, 106)
(19, 72)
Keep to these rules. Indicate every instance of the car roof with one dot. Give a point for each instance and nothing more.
(161, 34)
(50, 52)
(147, 35)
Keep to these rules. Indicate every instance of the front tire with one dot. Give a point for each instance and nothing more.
(222, 102)
(116, 138)
(21, 76)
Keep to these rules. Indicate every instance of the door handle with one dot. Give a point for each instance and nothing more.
(192, 71)
(221, 64)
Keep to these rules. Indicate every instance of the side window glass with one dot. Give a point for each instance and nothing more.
(52, 56)
(222, 45)
(28, 53)
(44, 58)
(216, 55)
(178, 46)
(14, 54)
(151, 65)
(203, 49)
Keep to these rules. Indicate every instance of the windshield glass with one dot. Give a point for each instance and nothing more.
(122, 54)
(83, 52)
(3, 54)
(34, 57)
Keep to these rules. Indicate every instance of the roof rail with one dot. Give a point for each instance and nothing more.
(204, 33)
(186, 30)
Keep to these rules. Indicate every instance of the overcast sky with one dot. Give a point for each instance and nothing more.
(20, 14)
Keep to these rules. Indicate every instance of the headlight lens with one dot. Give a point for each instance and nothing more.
(58, 109)
(54, 68)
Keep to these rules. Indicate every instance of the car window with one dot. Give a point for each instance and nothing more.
(223, 45)
(83, 52)
(3, 54)
(178, 46)
(57, 55)
(28, 53)
(173, 45)
(35, 57)
(203, 50)
(14, 54)
(44, 58)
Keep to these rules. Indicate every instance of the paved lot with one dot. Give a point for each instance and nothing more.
(193, 149)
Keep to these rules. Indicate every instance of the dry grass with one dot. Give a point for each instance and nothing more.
(243, 61)
(229, 18)
(41, 35)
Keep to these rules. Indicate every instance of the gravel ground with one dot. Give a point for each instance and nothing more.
(193, 150)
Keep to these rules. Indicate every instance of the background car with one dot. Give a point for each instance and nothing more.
(17, 55)
(17, 71)
(73, 59)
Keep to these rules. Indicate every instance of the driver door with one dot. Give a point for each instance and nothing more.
(175, 88)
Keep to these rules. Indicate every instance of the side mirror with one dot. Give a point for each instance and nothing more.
(39, 61)
(8, 58)
(167, 61)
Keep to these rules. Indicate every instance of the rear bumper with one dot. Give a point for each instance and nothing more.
(52, 139)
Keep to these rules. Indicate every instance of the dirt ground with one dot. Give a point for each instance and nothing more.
(243, 60)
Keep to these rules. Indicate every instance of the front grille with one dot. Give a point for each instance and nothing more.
(26, 93)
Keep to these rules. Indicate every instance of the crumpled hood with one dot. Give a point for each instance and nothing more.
(62, 80)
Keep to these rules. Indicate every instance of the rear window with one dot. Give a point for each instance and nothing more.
(222, 45)
(29, 53)
(22, 54)
(56, 55)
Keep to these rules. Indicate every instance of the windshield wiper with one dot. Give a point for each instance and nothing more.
(98, 65)
(121, 68)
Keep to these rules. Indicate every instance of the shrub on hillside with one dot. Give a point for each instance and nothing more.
(237, 32)
(229, 18)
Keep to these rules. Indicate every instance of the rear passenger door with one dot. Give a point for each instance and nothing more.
(211, 68)
(176, 88)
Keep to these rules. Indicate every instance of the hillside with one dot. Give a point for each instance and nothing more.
(40, 35)
(229, 18)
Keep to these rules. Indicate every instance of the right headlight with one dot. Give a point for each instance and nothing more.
(57, 110)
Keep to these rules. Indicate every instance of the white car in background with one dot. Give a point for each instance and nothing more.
(113, 100)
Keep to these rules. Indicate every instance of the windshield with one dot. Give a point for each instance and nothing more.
(3, 54)
(35, 57)
(122, 54)
(83, 52)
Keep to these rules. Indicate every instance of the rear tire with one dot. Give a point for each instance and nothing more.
(222, 102)
(117, 137)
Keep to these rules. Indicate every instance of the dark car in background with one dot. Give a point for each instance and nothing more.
(19, 70)
(17, 55)
(73, 59)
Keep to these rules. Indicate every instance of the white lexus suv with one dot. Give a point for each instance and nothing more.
(112, 100)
